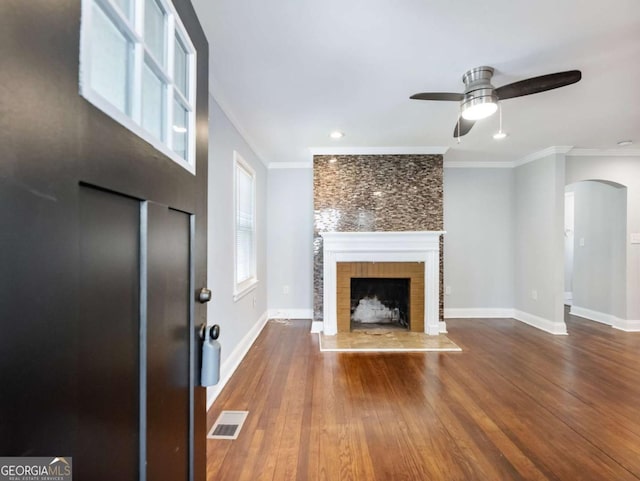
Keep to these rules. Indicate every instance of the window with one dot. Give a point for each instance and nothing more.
(137, 64)
(245, 226)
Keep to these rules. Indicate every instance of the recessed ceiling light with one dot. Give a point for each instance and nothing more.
(333, 160)
(499, 135)
(336, 134)
(624, 143)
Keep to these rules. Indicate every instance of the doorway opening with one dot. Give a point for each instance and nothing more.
(595, 258)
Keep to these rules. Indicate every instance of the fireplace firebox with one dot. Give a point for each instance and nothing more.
(379, 302)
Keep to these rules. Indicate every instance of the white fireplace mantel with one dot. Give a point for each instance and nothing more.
(414, 246)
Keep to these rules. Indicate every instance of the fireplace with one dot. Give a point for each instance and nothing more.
(379, 302)
(398, 255)
(382, 281)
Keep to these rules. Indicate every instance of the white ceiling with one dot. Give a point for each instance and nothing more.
(287, 72)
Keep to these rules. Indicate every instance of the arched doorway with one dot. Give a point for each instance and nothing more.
(595, 250)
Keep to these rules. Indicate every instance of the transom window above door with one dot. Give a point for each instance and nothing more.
(137, 64)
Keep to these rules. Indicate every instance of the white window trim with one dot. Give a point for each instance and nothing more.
(133, 122)
(241, 289)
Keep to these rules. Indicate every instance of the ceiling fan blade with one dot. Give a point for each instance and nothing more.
(438, 96)
(465, 127)
(536, 85)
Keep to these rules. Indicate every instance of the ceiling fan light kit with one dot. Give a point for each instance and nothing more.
(480, 98)
(479, 108)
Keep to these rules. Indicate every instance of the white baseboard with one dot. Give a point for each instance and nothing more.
(286, 313)
(592, 315)
(627, 325)
(235, 358)
(568, 297)
(477, 312)
(442, 327)
(557, 328)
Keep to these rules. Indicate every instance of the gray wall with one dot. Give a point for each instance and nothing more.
(236, 319)
(290, 237)
(479, 215)
(599, 266)
(524, 204)
(539, 242)
(624, 171)
(479, 244)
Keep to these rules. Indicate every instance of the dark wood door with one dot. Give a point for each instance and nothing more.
(170, 268)
(102, 251)
(136, 355)
(109, 335)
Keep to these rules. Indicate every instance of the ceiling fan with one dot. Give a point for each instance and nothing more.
(480, 98)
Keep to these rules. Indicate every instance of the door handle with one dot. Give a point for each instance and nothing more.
(204, 295)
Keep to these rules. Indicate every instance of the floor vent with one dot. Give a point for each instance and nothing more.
(228, 425)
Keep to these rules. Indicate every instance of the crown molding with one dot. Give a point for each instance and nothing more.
(243, 133)
(540, 154)
(290, 165)
(604, 153)
(477, 165)
(420, 150)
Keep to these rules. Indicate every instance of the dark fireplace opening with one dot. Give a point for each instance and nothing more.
(379, 302)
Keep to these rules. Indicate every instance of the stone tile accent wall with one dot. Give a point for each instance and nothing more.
(369, 193)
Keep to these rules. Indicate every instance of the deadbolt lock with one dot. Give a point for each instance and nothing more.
(204, 295)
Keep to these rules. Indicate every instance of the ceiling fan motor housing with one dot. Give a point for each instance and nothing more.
(478, 88)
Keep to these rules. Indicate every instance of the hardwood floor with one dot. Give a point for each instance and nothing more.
(517, 403)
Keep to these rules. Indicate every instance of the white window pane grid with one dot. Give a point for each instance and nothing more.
(180, 129)
(180, 67)
(152, 103)
(155, 30)
(110, 68)
(148, 73)
(126, 8)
